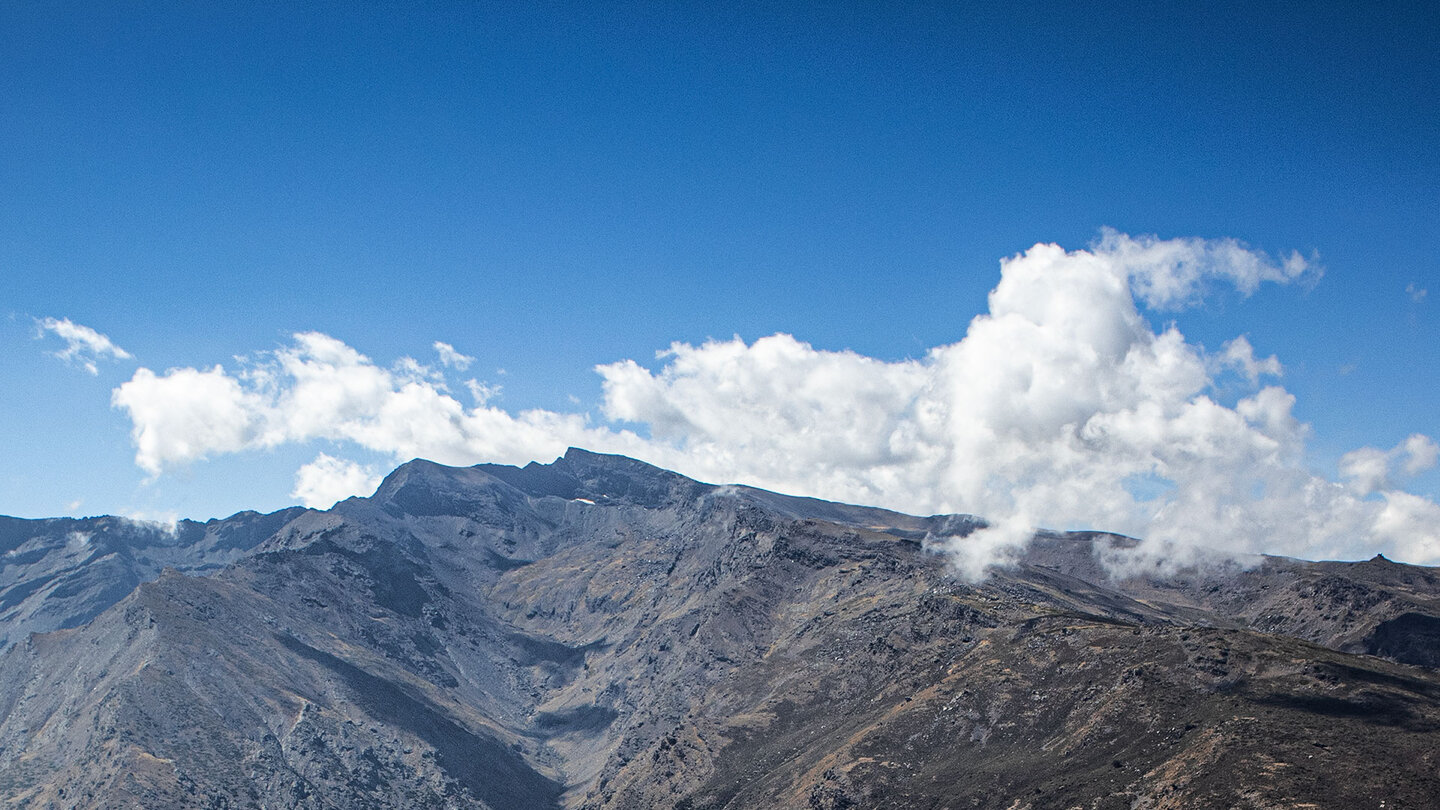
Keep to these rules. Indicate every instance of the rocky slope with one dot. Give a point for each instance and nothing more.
(62, 572)
(599, 633)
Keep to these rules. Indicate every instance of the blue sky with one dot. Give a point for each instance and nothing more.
(548, 188)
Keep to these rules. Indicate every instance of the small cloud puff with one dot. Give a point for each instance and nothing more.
(327, 480)
(451, 358)
(166, 521)
(83, 346)
(1240, 355)
(482, 392)
(1369, 470)
(1415, 292)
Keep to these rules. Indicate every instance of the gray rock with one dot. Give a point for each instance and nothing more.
(600, 633)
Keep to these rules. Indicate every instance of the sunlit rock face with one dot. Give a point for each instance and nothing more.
(600, 633)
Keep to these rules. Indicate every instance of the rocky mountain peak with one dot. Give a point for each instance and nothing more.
(600, 633)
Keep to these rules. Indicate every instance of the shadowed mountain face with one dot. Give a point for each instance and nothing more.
(600, 633)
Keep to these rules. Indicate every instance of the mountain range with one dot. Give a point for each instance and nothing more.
(601, 633)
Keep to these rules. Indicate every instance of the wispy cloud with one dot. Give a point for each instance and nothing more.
(482, 392)
(1049, 410)
(167, 521)
(1415, 292)
(84, 346)
(451, 358)
(1175, 273)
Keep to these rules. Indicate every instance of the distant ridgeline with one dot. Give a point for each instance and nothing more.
(61, 572)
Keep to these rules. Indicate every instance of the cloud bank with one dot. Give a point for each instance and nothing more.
(1061, 407)
(83, 346)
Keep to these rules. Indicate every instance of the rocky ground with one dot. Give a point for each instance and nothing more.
(598, 633)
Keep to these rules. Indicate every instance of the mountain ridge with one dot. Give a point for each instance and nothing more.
(601, 633)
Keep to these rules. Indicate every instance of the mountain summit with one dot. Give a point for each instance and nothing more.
(601, 633)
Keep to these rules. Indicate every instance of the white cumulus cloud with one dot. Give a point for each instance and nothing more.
(327, 480)
(320, 388)
(188, 414)
(1240, 355)
(1061, 407)
(1369, 469)
(83, 346)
